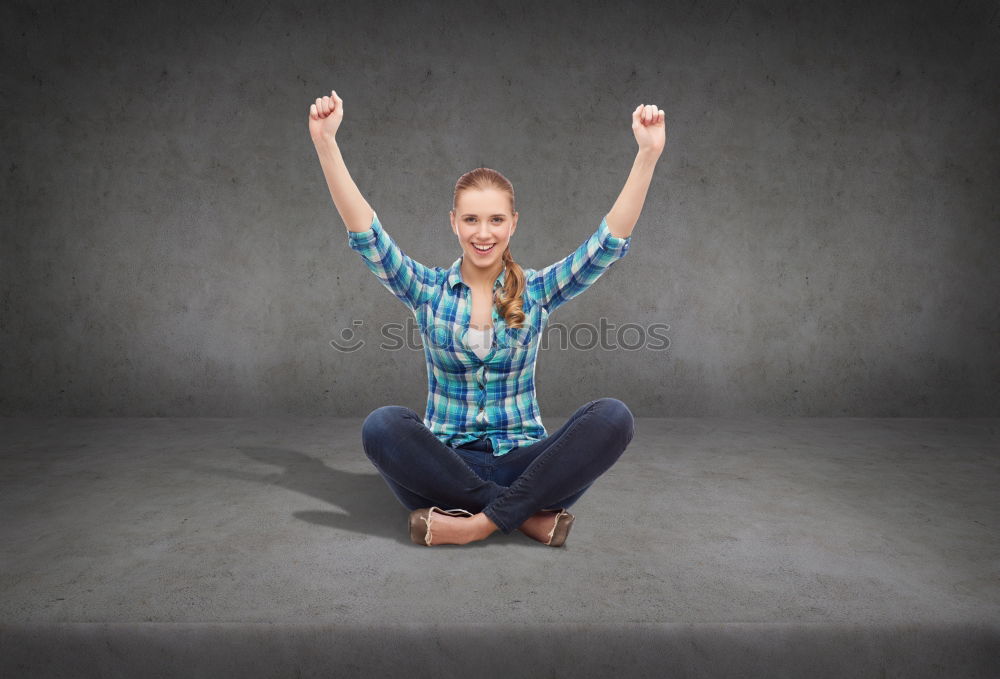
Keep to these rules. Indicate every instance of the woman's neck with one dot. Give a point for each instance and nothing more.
(475, 278)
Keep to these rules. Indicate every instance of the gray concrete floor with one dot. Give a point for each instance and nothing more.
(852, 523)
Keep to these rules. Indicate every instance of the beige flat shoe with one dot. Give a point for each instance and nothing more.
(560, 530)
(420, 522)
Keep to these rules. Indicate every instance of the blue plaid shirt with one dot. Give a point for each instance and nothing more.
(470, 397)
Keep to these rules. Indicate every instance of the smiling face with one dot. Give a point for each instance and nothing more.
(483, 218)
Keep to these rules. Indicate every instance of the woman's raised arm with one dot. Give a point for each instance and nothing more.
(650, 131)
(325, 116)
(406, 278)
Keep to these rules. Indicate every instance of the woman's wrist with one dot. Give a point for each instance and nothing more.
(325, 141)
(649, 153)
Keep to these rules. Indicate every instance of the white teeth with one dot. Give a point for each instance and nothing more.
(483, 249)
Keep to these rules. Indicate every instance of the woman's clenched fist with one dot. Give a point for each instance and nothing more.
(325, 116)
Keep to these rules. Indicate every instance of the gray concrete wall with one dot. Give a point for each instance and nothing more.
(821, 233)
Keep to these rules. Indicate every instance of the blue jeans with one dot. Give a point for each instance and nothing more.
(549, 474)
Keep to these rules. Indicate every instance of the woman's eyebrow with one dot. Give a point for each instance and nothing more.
(498, 214)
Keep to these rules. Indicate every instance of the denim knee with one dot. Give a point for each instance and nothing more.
(379, 423)
(619, 414)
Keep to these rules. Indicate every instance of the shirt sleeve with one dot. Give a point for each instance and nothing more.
(560, 282)
(409, 280)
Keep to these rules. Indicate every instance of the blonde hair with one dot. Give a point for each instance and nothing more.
(509, 299)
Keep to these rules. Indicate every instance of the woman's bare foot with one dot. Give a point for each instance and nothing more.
(460, 530)
(539, 525)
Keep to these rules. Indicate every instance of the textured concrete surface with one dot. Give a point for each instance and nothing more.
(820, 234)
(873, 542)
(654, 650)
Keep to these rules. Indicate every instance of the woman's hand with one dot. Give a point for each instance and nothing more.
(649, 127)
(325, 116)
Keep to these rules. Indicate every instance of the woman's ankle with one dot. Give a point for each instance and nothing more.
(485, 523)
